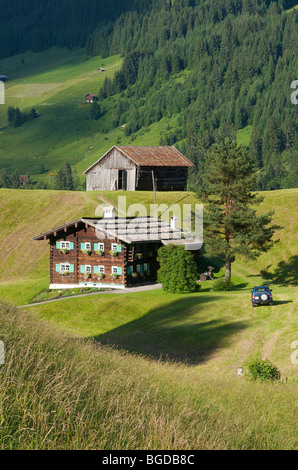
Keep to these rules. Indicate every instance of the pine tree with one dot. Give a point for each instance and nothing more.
(15, 179)
(231, 225)
(95, 111)
(18, 118)
(11, 114)
(64, 179)
(4, 179)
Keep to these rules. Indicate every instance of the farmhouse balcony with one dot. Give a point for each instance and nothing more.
(137, 255)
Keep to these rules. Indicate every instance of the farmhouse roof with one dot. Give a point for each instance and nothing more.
(128, 230)
(150, 156)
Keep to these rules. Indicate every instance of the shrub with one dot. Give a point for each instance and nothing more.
(222, 284)
(263, 370)
(178, 272)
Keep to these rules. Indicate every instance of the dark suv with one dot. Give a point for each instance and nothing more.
(261, 296)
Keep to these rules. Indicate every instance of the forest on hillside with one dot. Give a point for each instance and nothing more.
(220, 66)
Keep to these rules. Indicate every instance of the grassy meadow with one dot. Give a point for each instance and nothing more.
(142, 370)
(62, 393)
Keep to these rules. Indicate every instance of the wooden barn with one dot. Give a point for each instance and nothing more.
(132, 168)
(107, 252)
(90, 98)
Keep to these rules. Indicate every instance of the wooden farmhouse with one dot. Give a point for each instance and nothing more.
(90, 98)
(132, 168)
(107, 252)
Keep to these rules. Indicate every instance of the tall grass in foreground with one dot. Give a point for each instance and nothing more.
(57, 392)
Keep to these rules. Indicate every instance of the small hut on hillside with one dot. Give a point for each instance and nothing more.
(132, 168)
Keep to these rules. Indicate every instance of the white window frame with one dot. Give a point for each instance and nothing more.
(115, 269)
(138, 268)
(64, 267)
(88, 269)
(114, 246)
(65, 245)
(146, 267)
(88, 246)
(101, 247)
(101, 269)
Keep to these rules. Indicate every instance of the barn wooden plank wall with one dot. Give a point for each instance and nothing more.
(104, 176)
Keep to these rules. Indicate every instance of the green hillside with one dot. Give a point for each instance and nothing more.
(163, 364)
(65, 393)
(25, 214)
(55, 84)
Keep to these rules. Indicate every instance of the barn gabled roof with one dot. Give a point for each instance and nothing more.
(128, 230)
(150, 156)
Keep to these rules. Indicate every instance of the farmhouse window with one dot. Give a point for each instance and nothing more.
(64, 245)
(116, 247)
(86, 246)
(117, 270)
(99, 247)
(99, 270)
(64, 267)
(85, 269)
(129, 270)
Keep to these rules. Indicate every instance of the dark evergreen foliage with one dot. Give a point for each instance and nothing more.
(231, 224)
(17, 118)
(178, 272)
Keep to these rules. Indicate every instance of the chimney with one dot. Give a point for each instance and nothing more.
(109, 212)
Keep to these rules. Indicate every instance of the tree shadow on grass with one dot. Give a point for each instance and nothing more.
(171, 332)
(285, 274)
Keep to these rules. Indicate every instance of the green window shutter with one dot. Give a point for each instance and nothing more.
(82, 246)
(71, 268)
(96, 246)
(57, 268)
(142, 268)
(71, 246)
(119, 248)
(119, 271)
(58, 245)
(128, 270)
(148, 267)
(96, 269)
(82, 269)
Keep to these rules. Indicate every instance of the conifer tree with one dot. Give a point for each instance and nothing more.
(4, 179)
(231, 224)
(15, 179)
(95, 111)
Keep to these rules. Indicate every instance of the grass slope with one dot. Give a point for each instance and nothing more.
(55, 83)
(165, 365)
(25, 214)
(62, 393)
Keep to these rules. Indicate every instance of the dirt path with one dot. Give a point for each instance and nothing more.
(130, 290)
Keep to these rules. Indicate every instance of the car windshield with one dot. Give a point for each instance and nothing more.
(262, 289)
